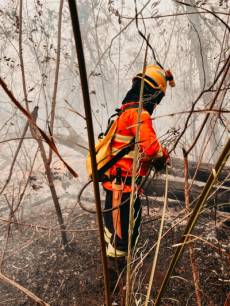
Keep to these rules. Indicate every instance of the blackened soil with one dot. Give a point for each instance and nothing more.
(36, 260)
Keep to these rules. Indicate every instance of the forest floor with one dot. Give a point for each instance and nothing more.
(35, 259)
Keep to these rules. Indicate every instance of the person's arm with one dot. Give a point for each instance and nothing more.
(149, 143)
(152, 151)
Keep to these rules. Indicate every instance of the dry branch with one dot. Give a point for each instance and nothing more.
(37, 132)
(47, 139)
(88, 115)
(194, 216)
(34, 113)
(133, 185)
(195, 270)
(176, 191)
(54, 97)
(201, 170)
(158, 242)
(225, 73)
(27, 292)
(224, 69)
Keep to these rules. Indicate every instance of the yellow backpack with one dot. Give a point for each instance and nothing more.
(103, 150)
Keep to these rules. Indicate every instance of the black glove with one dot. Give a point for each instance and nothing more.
(159, 163)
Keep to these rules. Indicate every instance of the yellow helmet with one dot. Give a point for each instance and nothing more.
(156, 77)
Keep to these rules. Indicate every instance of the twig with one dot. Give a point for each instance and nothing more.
(195, 271)
(88, 114)
(158, 242)
(26, 184)
(33, 123)
(206, 10)
(74, 110)
(227, 302)
(36, 132)
(27, 292)
(194, 238)
(133, 192)
(194, 216)
(36, 226)
(198, 98)
(174, 15)
(10, 208)
(117, 35)
(54, 97)
(15, 139)
(11, 215)
(17, 152)
(211, 106)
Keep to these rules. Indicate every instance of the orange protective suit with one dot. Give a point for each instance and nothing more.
(126, 131)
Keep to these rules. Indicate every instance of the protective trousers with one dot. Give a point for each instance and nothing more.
(117, 224)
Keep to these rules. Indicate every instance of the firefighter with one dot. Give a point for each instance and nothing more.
(118, 187)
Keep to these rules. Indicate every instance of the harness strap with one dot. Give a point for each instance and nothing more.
(115, 151)
(114, 159)
(122, 138)
(129, 105)
(120, 153)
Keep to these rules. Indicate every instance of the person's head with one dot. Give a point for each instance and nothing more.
(155, 79)
(155, 84)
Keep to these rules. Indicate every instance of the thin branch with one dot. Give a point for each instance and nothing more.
(17, 152)
(158, 242)
(36, 132)
(46, 228)
(194, 216)
(88, 113)
(133, 189)
(50, 143)
(195, 111)
(211, 106)
(54, 97)
(198, 98)
(117, 35)
(201, 54)
(27, 292)
(195, 271)
(11, 215)
(174, 15)
(207, 11)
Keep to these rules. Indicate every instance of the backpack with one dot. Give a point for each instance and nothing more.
(104, 152)
(102, 149)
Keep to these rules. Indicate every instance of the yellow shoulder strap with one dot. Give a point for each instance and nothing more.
(103, 149)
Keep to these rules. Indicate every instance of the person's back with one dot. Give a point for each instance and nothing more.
(118, 183)
(126, 130)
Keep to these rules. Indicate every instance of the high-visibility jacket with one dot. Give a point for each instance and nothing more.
(149, 145)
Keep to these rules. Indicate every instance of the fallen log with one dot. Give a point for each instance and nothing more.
(156, 187)
(203, 171)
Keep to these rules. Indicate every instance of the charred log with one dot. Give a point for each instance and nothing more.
(156, 188)
(202, 172)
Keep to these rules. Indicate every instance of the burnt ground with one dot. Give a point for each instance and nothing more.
(35, 259)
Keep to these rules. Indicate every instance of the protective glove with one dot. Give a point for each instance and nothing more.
(161, 162)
